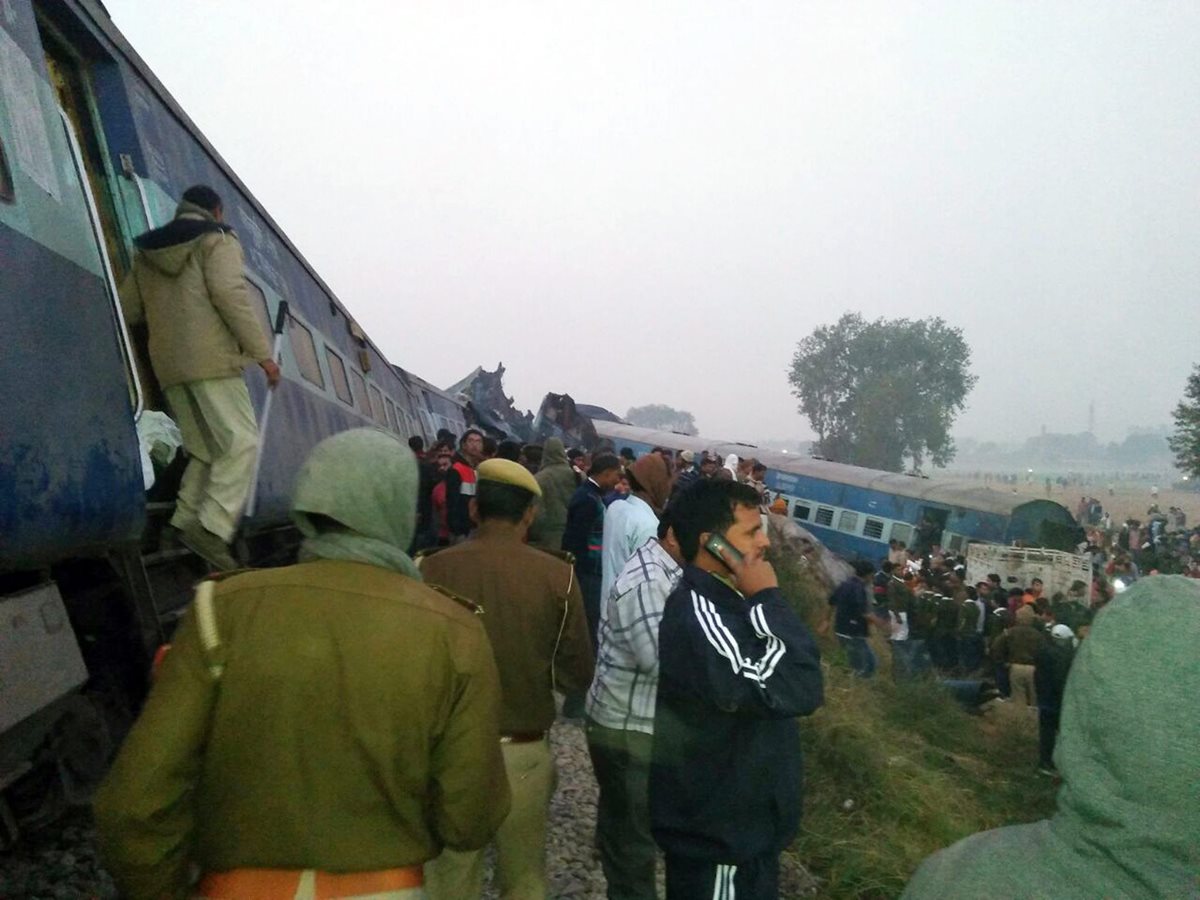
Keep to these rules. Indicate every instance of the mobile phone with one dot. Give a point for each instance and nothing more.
(724, 551)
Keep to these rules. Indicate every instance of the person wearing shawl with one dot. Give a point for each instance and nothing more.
(630, 524)
(1128, 819)
(321, 729)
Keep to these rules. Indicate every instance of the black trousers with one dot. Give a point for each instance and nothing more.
(621, 761)
(1047, 735)
(697, 879)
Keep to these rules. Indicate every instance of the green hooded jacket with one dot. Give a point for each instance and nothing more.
(557, 480)
(346, 719)
(1128, 820)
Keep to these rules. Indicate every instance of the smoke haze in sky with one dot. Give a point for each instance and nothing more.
(641, 203)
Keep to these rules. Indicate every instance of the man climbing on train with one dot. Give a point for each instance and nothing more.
(187, 285)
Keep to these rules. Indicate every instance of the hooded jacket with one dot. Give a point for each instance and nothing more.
(188, 285)
(352, 723)
(557, 480)
(1128, 819)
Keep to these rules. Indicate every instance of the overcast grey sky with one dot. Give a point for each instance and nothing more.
(639, 203)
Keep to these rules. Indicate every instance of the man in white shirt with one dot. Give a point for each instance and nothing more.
(620, 713)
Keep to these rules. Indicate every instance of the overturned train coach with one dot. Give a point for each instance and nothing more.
(856, 511)
(93, 152)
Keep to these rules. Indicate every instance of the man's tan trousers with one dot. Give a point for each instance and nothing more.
(520, 842)
(221, 439)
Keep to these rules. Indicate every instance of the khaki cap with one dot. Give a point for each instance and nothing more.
(505, 471)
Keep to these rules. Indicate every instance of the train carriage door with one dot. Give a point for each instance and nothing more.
(69, 78)
(931, 524)
(85, 141)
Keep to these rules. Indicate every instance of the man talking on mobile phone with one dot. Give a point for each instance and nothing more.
(736, 667)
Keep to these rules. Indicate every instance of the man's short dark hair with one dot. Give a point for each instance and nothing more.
(204, 197)
(416, 443)
(446, 436)
(495, 500)
(604, 463)
(489, 446)
(575, 453)
(863, 568)
(1036, 581)
(627, 453)
(509, 450)
(708, 506)
(462, 441)
(758, 467)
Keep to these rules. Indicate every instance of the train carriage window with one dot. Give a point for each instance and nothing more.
(7, 193)
(873, 529)
(391, 414)
(258, 303)
(901, 532)
(305, 352)
(848, 521)
(824, 515)
(341, 384)
(377, 411)
(801, 511)
(359, 384)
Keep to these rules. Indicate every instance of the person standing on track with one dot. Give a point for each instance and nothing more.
(620, 712)
(318, 730)
(736, 667)
(187, 285)
(533, 614)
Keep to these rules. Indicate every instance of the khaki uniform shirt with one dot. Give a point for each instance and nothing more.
(533, 613)
(353, 727)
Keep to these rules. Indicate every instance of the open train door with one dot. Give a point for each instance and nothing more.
(931, 523)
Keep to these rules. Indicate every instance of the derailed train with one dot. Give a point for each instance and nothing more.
(93, 152)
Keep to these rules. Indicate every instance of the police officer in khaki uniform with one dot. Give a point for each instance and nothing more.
(533, 614)
(319, 730)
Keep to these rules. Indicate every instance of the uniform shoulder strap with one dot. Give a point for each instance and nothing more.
(565, 555)
(206, 620)
(206, 623)
(469, 605)
(421, 555)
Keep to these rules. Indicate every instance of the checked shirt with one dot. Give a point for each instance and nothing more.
(626, 682)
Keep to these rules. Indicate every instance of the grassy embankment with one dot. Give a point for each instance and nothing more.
(893, 773)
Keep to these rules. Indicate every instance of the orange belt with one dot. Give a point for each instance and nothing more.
(282, 884)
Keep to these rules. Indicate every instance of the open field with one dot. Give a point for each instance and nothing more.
(1129, 500)
(896, 772)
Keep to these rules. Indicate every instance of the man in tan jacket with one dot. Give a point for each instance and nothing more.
(533, 614)
(187, 284)
(319, 730)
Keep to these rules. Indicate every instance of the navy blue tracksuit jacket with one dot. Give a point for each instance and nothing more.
(734, 673)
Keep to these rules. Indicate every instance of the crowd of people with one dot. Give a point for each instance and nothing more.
(369, 720)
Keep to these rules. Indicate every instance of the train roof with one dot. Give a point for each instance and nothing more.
(934, 490)
(102, 19)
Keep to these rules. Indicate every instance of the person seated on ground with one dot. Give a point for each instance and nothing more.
(1129, 807)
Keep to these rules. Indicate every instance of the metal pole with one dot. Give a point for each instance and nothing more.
(280, 324)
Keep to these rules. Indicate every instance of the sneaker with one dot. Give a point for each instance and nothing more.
(208, 547)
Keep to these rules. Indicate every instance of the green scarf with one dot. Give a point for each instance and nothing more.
(351, 547)
(356, 500)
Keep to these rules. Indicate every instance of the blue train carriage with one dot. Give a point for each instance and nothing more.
(93, 152)
(856, 511)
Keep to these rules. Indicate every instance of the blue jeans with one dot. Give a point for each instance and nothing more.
(909, 659)
(862, 657)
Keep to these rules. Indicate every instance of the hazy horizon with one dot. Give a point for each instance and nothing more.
(639, 204)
